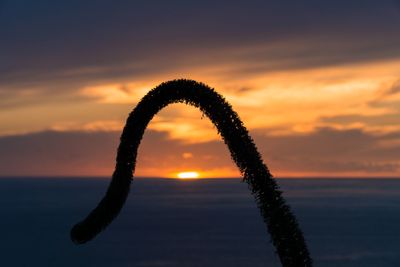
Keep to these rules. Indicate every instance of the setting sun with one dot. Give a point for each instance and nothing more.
(188, 175)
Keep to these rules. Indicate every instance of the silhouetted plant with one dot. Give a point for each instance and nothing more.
(282, 225)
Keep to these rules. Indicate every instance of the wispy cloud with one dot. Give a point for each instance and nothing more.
(325, 152)
(288, 70)
(394, 89)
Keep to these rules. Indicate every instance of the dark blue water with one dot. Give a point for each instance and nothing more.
(197, 223)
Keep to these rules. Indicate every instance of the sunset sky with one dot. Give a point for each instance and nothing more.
(317, 84)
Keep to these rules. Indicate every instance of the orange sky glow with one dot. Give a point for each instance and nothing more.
(319, 102)
(279, 103)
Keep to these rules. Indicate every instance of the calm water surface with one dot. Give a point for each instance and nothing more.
(169, 222)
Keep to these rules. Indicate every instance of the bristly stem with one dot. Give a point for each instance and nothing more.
(281, 223)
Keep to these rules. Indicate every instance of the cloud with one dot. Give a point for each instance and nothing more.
(288, 62)
(58, 153)
(95, 126)
(116, 93)
(326, 152)
(77, 43)
(394, 89)
(379, 123)
(287, 69)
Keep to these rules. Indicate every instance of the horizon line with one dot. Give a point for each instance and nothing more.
(190, 179)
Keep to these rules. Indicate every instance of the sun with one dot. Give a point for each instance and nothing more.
(188, 175)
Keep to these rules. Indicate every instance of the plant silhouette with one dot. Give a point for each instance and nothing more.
(281, 223)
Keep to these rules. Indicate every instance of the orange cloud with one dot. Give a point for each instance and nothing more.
(116, 93)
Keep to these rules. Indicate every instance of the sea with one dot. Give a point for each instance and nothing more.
(204, 222)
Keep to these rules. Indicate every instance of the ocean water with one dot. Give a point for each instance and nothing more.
(168, 222)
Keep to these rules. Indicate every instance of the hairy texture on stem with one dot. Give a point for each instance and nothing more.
(281, 223)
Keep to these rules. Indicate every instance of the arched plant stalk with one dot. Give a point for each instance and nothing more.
(281, 223)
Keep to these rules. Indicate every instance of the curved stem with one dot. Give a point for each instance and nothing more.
(282, 225)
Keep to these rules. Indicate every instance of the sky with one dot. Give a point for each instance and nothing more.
(317, 84)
